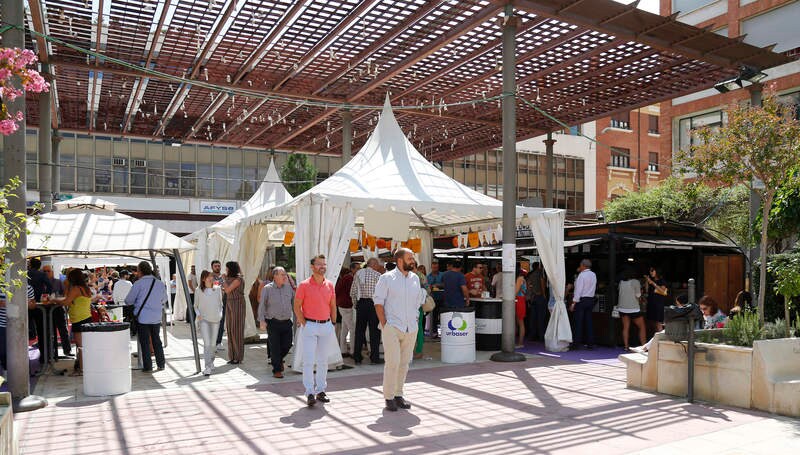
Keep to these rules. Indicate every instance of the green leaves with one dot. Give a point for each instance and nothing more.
(298, 174)
(12, 226)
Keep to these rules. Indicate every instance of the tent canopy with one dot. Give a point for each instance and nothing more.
(388, 174)
(89, 225)
(270, 193)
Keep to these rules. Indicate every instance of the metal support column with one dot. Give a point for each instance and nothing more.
(55, 169)
(189, 305)
(18, 371)
(548, 169)
(509, 188)
(347, 136)
(45, 147)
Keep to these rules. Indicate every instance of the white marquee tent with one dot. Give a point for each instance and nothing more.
(389, 187)
(89, 226)
(215, 241)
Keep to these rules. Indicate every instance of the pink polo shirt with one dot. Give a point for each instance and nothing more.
(316, 298)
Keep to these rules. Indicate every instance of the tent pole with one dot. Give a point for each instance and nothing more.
(189, 305)
(509, 188)
(548, 169)
(347, 136)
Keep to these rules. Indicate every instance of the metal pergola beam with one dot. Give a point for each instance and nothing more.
(37, 17)
(442, 41)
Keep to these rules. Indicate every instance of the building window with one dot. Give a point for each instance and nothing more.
(574, 130)
(652, 126)
(653, 164)
(686, 6)
(620, 157)
(621, 120)
(687, 125)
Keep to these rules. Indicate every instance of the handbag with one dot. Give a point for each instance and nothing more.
(615, 312)
(429, 304)
(144, 302)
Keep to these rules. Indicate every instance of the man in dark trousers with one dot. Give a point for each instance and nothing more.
(582, 304)
(362, 291)
(275, 308)
(59, 314)
(537, 314)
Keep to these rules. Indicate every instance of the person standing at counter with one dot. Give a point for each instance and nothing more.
(497, 282)
(456, 294)
(475, 282)
(538, 316)
(630, 290)
(657, 299)
(437, 292)
(582, 304)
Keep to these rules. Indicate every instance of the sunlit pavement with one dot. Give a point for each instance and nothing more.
(542, 405)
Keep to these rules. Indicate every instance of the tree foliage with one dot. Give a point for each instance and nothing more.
(12, 226)
(721, 209)
(298, 174)
(785, 269)
(755, 149)
(784, 216)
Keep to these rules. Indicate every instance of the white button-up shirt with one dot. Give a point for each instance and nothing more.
(401, 297)
(585, 285)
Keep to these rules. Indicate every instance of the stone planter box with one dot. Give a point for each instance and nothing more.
(8, 445)
(766, 376)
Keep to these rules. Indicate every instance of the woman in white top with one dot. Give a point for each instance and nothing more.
(630, 291)
(208, 307)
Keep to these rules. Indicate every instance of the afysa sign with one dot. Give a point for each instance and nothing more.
(217, 207)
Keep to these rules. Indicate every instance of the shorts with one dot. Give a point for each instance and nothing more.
(635, 315)
(520, 306)
(76, 326)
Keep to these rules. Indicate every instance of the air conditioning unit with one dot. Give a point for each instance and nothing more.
(139, 163)
(119, 161)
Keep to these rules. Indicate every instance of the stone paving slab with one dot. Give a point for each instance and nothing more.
(543, 405)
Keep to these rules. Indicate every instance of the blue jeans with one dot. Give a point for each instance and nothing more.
(317, 339)
(583, 321)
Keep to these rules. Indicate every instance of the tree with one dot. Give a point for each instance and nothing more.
(298, 174)
(14, 65)
(784, 216)
(755, 149)
(722, 209)
(11, 228)
(785, 268)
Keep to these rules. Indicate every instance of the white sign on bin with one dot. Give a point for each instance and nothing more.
(458, 337)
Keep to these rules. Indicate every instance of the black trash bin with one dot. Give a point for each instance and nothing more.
(488, 324)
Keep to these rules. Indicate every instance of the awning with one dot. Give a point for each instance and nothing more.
(459, 252)
(671, 244)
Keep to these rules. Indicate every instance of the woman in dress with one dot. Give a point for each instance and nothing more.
(422, 274)
(208, 308)
(657, 299)
(78, 300)
(520, 289)
(236, 312)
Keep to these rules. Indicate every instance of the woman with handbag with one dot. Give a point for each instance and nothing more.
(236, 312)
(148, 296)
(657, 299)
(630, 290)
(208, 308)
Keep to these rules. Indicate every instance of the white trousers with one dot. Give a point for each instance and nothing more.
(348, 328)
(316, 339)
(208, 331)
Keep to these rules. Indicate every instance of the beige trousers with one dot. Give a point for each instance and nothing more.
(398, 348)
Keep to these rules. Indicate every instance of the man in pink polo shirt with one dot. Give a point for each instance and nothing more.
(315, 309)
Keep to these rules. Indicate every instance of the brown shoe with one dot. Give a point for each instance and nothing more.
(278, 374)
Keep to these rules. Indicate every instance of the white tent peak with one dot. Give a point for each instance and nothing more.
(270, 194)
(85, 202)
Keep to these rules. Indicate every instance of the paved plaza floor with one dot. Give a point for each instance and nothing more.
(548, 404)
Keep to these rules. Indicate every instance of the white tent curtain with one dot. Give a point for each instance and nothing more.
(548, 231)
(179, 307)
(425, 256)
(322, 228)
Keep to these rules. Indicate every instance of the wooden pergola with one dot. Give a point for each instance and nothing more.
(302, 62)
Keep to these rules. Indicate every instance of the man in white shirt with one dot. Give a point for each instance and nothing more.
(122, 288)
(582, 304)
(397, 298)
